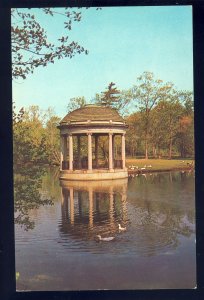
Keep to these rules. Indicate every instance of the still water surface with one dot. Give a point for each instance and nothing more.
(57, 224)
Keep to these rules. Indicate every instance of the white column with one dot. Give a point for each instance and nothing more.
(110, 151)
(62, 151)
(89, 152)
(70, 152)
(113, 147)
(79, 151)
(123, 151)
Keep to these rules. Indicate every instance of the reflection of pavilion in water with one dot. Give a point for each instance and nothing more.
(91, 208)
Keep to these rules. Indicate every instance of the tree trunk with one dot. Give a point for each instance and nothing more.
(158, 152)
(133, 151)
(170, 147)
(146, 149)
(182, 149)
(154, 151)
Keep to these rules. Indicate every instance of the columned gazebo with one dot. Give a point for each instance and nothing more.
(87, 125)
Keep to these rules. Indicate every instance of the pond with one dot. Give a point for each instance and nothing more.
(57, 224)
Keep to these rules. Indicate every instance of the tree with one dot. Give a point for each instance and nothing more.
(172, 123)
(36, 137)
(147, 93)
(75, 103)
(34, 114)
(186, 98)
(133, 134)
(27, 195)
(29, 41)
(52, 138)
(158, 130)
(125, 102)
(17, 116)
(28, 137)
(185, 135)
(165, 123)
(110, 97)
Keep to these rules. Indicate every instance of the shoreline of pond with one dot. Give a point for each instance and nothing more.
(144, 171)
(131, 169)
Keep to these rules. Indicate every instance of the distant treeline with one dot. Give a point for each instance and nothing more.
(160, 119)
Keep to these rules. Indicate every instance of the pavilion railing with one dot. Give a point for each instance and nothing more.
(83, 164)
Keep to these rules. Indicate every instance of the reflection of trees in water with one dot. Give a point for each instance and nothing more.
(167, 177)
(160, 210)
(50, 184)
(157, 210)
(27, 193)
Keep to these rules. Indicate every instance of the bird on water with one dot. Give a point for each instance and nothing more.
(107, 239)
(121, 228)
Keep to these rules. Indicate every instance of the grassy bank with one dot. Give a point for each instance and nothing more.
(158, 164)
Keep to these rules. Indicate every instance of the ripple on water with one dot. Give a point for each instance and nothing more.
(153, 220)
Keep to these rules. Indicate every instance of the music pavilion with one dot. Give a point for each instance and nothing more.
(88, 144)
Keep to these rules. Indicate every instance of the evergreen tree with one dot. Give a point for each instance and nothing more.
(110, 97)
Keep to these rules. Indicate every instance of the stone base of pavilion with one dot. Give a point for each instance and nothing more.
(95, 185)
(99, 174)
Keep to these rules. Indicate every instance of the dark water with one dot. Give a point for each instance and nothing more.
(57, 225)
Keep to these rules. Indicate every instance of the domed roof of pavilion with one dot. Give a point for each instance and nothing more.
(93, 113)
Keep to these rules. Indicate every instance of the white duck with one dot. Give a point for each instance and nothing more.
(121, 228)
(107, 239)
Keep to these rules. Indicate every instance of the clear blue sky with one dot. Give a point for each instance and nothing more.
(123, 42)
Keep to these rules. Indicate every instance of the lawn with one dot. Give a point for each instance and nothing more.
(159, 164)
